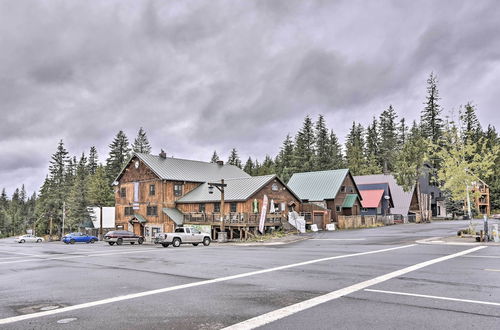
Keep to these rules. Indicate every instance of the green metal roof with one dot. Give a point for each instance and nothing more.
(175, 215)
(239, 189)
(349, 201)
(177, 169)
(139, 218)
(317, 186)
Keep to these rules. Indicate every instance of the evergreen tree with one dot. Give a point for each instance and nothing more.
(284, 160)
(234, 159)
(336, 158)
(92, 161)
(322, 146)
(372, 140)
(432, 124)
(100, 193)
(118, 156)
(303, 153)
(141, 143)
(267, 166)
(471, 127)
(402, 132)
(77, 213)
(355, 145)
(249, 167)
(388, 138)
(215, 157)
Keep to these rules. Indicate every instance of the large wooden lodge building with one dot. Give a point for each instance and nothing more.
(157, 193)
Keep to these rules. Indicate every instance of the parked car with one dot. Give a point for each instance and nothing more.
(183, 235)
(73, 238)
(28, 239)
(122, 236)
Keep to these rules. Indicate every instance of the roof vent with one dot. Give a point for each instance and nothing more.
(163, 154)
(220, 162)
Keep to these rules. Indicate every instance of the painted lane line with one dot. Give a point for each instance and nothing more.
(278, 314)
(435, 297)
(22, 254)
(80, 256)
(492, 270)
(494, 257)
(338, 239)
(186, 286)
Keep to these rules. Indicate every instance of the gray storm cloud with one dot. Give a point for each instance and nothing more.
(205, 75)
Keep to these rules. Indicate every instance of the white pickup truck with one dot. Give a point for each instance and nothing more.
(183, 235)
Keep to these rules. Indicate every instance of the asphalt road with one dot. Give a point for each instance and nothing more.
(377, 278)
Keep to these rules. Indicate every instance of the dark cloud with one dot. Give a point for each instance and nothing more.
(205, 75)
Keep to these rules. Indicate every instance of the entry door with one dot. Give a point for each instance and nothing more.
(138, 229)
(318, 220)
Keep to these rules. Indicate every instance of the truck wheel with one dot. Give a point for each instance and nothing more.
(164, 244)
(140, 241)
(206, 241)
(195, 244)
(176, 242)
(119, 241)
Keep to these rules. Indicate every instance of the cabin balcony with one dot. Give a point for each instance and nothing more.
(238, 219)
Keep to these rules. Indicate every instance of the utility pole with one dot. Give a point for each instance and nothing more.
(220, 186)
(64, 216)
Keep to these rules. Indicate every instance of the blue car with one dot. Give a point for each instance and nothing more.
(73, 238)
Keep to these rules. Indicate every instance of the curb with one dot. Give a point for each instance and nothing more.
(263, 243)
(442, 241)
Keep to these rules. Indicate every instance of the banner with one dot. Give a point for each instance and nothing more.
(263, 215)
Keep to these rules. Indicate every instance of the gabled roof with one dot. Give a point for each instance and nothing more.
(371, 198)
(317, 186)
(175, 215)
(238, 189)
(400, 198)
(176, 169)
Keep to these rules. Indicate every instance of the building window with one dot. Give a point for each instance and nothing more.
(274, 187)
(216, 207)
(177, 189)
(351, 189)
(152, 190)
(201, 207)
(129, 210)
(364, 209)
(233, 207)
(152, 210)
(342, 189)
(123, 192)
(338, 208)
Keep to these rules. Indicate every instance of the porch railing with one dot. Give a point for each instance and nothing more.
(233, 218)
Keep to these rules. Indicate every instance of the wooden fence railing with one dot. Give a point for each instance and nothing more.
(233, 219)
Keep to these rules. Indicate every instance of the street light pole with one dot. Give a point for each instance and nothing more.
(220, 186)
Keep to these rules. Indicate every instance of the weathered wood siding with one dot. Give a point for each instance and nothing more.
(350, 188)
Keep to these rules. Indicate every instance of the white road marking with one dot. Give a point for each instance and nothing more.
(71, 256)
(22, 254)
(482, 257)
(338, 239)
(278, 314)
(185, 286)
(493, 270)
(435, 297)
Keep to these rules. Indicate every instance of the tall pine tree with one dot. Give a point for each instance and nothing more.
(431, 121)
(118, 156)
(388, 138)
(304, 153)
(322, 145)
(141, 143)
(92, 161)
(234, 159)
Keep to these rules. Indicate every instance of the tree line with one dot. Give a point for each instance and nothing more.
(458, 150)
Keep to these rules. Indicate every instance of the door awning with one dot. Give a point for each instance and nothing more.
(349, 201)
(139, 219)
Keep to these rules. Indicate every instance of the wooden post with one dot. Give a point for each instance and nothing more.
(50, 228)
(222, 206)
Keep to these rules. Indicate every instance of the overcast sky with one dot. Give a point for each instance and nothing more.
(210, 75)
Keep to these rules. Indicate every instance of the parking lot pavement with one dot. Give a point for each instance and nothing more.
(88, 285)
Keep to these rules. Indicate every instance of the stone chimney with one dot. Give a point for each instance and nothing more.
(163, 154)
(220, 162)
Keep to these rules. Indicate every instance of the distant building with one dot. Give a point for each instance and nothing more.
(108, 217)
(410, 204)
(428, 185)
(376, 199)
(333, 190)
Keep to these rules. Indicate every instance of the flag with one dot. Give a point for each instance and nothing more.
(263, 214)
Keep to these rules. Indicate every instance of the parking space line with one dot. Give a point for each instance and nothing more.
(492, 270)
(434, 297)
(338, 239)
(189, 285)
(71, 256)
(278, 314)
